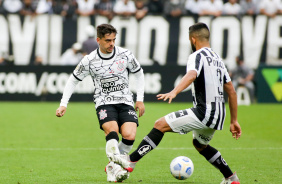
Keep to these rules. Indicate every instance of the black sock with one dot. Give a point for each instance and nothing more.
(215, 158)
(112, 135)
(127, 142)
(147, 144)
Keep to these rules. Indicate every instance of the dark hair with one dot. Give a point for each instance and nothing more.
(104, 29)
(200, 30)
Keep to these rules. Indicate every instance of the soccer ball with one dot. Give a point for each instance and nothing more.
(181, 167)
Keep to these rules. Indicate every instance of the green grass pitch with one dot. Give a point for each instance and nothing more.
(36, 147)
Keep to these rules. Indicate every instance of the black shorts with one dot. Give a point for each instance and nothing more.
(120, 113)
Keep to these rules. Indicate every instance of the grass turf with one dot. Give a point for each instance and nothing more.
(38, 147)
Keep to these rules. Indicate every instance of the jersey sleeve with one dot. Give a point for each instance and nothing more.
(194, 63)
(82, 69)
(226, 77)
(133, 65)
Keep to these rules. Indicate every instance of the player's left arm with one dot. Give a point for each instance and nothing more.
(135, 68)
(139, 105)
(186, 80)
(235, 128)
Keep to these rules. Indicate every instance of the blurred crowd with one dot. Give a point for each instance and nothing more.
(141, 8)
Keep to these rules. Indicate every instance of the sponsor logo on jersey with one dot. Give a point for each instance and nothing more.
(103, 114)
(109, 98)
(219, 99)
(111, 71)
(108, 85)
(112, 88)
(134, 63)
(79, 68)
(133, 113)
(204, 137)
(144, 149)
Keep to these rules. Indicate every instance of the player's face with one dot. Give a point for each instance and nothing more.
(107, 43)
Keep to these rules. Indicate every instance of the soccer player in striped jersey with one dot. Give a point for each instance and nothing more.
(208, 76)
(109, 67)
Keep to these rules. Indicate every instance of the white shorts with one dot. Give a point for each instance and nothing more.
(184, 121)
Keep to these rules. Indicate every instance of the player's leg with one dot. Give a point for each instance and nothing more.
(128, 123)
(128, 132)
(151, 140)
(107, 116)
(178, 121)
(201, 143)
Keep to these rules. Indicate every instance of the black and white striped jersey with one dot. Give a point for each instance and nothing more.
(207, 88)
(110, 76)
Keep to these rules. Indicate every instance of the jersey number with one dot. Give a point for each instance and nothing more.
(220, 84)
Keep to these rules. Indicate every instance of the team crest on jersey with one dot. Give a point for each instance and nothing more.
(121, 65)
(103, 114)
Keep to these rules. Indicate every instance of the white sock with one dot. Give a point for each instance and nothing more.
(123, 148)
(112, 147)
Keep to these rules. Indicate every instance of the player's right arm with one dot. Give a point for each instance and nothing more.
(235, 128)
(80, 72)
(68, 91)
(186, 80)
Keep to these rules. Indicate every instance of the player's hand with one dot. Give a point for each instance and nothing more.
(235, 129)
(61, 111)
(171, 95)
(139, 106)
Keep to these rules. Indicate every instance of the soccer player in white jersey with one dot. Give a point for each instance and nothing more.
(109, 67)
(208, 76)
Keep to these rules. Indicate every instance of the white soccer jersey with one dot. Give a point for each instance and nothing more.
(110, 76)
(207, 89)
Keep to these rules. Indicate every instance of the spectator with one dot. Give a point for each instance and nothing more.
(174, 8)
(210, 7)
(270, 8)
(85, 7)
(28, 8)
(38, 61)
(90, 43)
(65, 8)
(6, 59)
(105, 8)
(141, 9)
(72, 56)
(44, 6)
(243, 76)
(192, 7)
(155, 7)
(248, 7)
(125, 8)
(231, 8)
(12, 6)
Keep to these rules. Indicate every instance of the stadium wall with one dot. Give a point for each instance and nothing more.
(160, 44)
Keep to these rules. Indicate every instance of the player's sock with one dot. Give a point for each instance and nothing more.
(147, 144)
(214, 157)
(125, 146)
(112, 143)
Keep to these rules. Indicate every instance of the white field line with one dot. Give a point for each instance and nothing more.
(103, 148)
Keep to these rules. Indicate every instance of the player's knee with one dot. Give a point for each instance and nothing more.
(162, 125)
(129, 136)
(199, 147)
